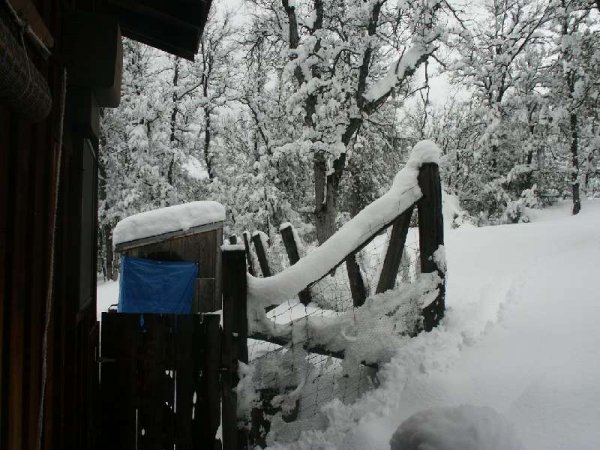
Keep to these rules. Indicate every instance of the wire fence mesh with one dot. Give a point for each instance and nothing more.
(296, 380)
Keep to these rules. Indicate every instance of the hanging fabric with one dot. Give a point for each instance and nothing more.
(148, 286)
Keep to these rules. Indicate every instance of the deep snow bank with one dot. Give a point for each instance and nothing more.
(520, 337)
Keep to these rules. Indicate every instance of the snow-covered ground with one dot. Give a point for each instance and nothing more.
(107, 295)
(520, 337)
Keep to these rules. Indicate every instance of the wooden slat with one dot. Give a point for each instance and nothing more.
(431, 237)
(393, 255)
(251, 269)
(204, 296)
(207, 363)
(184, 363)
(234, 344)
(152, 430)
(291, 248)
(121, 247)
(120, 342)
(261, 253)
(357, 284)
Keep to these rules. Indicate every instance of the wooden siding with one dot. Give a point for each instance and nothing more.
(204, 247)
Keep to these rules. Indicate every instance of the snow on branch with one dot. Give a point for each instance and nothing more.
(406, 65)
(263, 292)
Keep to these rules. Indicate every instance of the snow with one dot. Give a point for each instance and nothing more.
(397, 72)
(166, 220)
(107, 293)
(363, 334)
(195, 169)
(520, 336)
(403, 193)
(464, 427)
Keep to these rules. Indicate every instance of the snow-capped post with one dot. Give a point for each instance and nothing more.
(235, 335)
(431, 238)
(261, 253)
(251, 270)
(291, 247)
(393, 256)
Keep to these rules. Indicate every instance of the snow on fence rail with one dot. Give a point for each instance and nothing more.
(296, 339)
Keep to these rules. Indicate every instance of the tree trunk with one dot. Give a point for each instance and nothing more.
(111, 270)
(575, 163)
(325, 200)
(207, 137)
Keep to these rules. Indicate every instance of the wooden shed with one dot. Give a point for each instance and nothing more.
(190, 232)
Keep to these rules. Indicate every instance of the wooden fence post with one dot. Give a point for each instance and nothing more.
(261, 253)
(251, 269)
(207, 416)
(233, 239)
(357, 284)
(431, 238)
(234, 345)
(291, 247)
(393, 256)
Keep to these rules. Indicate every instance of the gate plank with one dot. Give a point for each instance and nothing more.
(118, 374)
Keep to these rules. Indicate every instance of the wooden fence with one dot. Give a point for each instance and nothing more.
(160, 381)
(237, 261)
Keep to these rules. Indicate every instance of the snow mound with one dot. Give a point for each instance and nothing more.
(463, 427)
(167, 220)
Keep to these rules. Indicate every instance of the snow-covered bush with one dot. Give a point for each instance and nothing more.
(463, 427)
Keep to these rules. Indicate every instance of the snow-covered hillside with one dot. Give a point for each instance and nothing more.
(520, 336)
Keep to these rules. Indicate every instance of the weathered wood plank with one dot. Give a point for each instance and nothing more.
(251, 269)
(291, 247)
(204, 296)
(261, 253)
(431, 237)
(122, 246)
(393, 255)
(184, 373)
(207, 364)
(120, 341)
(234, 344)
(357, 284)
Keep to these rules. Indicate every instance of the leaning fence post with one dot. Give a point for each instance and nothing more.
(431, 238)
(234, 345)
(246, 236)
(357, 284)
(393, 255)
(291, 247)
(261, 253)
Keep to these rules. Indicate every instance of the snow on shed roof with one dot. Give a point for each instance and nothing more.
(167, 220)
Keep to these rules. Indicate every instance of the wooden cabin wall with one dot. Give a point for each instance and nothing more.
(28, 178)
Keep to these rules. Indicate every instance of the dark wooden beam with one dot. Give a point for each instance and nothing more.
(234, 343)
(291, 248)
(393, 256)
(431, 237)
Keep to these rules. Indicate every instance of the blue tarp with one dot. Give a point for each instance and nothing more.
(148, 286)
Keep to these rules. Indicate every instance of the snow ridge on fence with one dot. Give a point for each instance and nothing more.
(405, 192)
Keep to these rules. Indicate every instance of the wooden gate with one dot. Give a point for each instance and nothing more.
(159, 381)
